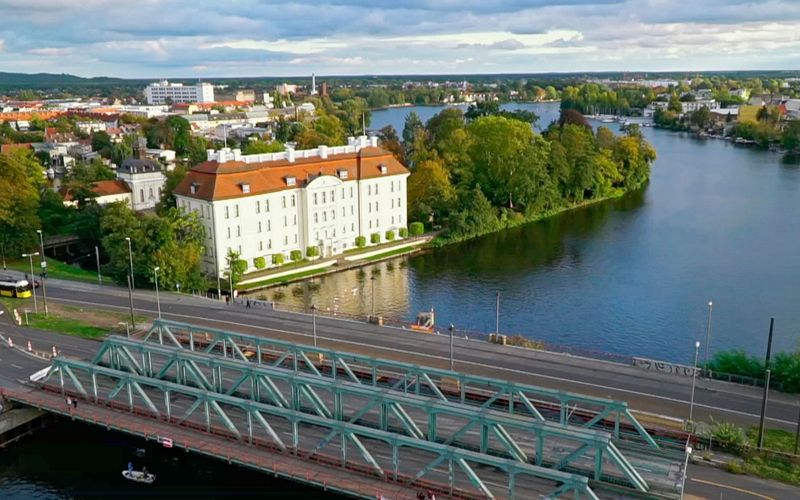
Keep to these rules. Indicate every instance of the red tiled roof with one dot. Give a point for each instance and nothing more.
(7, 148)
(102, 188)
(220, 181)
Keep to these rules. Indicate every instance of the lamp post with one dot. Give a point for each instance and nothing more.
(230, 283)
(372, 279)
(497, 315)
(130, 259)
(452, 330)
(44, 269)
(158, 300)
(30, 257)
(694, 381)
(314, 322)
(97, 260)
(708, 338)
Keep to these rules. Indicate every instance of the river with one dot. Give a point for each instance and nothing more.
(632, 276)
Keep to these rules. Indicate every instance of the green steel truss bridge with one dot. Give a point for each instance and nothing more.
(404, 426)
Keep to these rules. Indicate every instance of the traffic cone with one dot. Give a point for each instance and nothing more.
(29, 346)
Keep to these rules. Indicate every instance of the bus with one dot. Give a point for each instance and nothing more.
(10, 287)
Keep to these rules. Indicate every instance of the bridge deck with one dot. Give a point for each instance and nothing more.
(280, 465)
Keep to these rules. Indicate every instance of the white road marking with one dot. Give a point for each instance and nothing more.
(433, 356)
(17, 366)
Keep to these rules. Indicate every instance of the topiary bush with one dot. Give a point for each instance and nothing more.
(295, 255)
(375, 238)
(260, 262)
(416, 228)
(277, 259)
(361, 241)
(389, 235)
(312, 251)
(404, 232)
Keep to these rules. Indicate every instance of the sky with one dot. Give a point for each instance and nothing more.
(225, 38)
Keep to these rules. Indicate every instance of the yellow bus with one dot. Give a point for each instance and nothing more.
(9, 287)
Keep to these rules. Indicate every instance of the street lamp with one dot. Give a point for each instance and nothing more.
(372, 279)
(230, 284)
(708, 338)
(452, 329)
(314, 322)
(44, 269)
(694, 380)
(158, 300)
(497, 315)
(130, 259)
(30, 257)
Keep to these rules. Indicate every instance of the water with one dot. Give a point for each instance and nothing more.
(74, 460)
(631, 276)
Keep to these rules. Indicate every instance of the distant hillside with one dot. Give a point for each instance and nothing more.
(51, 80)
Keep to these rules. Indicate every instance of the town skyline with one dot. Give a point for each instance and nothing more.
(341, 37)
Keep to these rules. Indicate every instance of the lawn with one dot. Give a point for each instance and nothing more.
(56, 269)
(71, 320)
(390, 253)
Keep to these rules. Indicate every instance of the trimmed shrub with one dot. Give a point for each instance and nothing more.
(277, 259)
(416, 228)
(260, 262)
(375, 238)
(404, 232)
(312, 251)
(295, 255)
(361, 241)
(389, 235)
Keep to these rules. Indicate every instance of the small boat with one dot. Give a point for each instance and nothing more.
(139, 476)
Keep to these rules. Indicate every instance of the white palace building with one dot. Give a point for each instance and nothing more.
(274, 203)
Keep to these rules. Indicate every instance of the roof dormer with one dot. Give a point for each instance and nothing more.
(291, 180)
(245, 187)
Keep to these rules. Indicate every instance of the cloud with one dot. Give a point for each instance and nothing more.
(155, 38)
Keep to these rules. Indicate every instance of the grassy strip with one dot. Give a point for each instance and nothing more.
(56, 269)
(65, 325)
(774, 439)
(390, 253)
(282, 279)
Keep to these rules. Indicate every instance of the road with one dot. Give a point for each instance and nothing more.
(645, 391)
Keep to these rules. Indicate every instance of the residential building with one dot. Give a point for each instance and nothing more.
(144, 177)
(164, 92)
(106, 192)
(271, 204)
(286, 89)
(691, 106)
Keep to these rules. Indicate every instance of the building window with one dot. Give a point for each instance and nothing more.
(283, 201)
(269, 225)
(376, 206)
(398, 202)
(324, 216)
(392, 219)
(342, 193)
(352, 210)
(236, 210)
(376, 189)
(269, 244)
(369, 207)
(293, 200)
(266, 205)
(334, 232)
(316, 236)
(333, 214)
(226, 212)
(351, 191)
(141, 195)
(376, 224)
(238, 230)
(285, 240)
(150, 192)
(370, 224)
(285, 221)
(392, 202)
(260, 246)
(258, 207)
(392, 186)
(229, 233)
(353, 226)
(259, 226)
(369, 189)
(295, 237)
(294, 220)
(315, 198)
(316, 217)
(333, 195)
(323, 197)
(343, 213)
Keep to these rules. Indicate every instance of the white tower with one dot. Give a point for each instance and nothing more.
(313, 84)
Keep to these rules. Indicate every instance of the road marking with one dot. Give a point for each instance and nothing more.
(445, 358)
(734, 488)
(17, 366)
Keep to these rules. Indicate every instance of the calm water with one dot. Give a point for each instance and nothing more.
(632, 276)
(73, 460)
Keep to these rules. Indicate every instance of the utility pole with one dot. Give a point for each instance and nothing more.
(694, 382)
(452, 330)
(130, 299)
(708, 339)
(314, 322)
(497, 315)
(766, 386)
(97, 257)
(44, 269)
(130, 259)
(372, 279)
(30, 257)
(797, 432)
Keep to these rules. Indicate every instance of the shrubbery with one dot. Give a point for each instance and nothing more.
(404, 232)
(361, 241)
(389, 235)
(260, 262)
(277, 259)
(416, 228)
(295, 255)
(375, 238)
(312, 251)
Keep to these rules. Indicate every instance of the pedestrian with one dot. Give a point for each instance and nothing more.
(69, 402)
(75, 403)
(248, 303)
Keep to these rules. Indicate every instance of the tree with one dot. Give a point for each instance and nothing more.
(180, 133)
(236, 266)
(605, 138)
(21, 178)
(791, 136)
(87, 173)
(173, 179)
(258, 147)
(331, 129)
(572, 117)
(429, 190)
(387, 137)
(410, 127)
(475, 215)
(101, 142)
(701, 118)
(121, 151)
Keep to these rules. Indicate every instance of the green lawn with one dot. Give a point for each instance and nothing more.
(774, 439)
(390, 253)
(282, 279)
(65, 325)
(56, 269)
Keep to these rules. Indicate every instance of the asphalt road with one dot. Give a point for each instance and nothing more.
(645, 391)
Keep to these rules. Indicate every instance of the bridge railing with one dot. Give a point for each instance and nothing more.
(405, 460)
(540, 403)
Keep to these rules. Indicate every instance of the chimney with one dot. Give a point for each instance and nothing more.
(290, 154)
(323, 152)
(373, 141)
(209, 154)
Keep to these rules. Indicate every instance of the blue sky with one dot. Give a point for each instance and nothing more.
(196, 38)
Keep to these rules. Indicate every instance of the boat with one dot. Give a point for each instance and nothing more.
(139, 476)
(424, 322)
